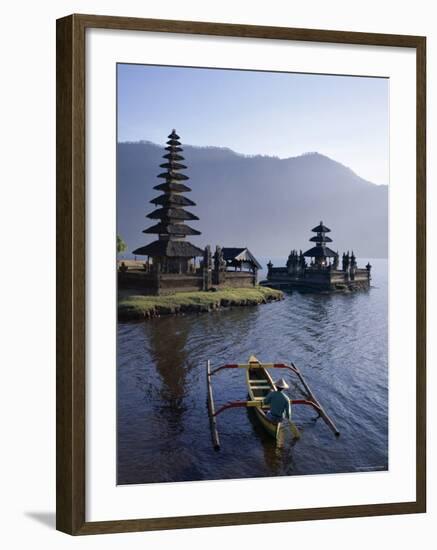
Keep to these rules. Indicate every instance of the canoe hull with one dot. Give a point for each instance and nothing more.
(259, 384)
(270, 427)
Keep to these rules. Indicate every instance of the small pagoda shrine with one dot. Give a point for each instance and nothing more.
(322, 273)
(320, 254)
(171, 253)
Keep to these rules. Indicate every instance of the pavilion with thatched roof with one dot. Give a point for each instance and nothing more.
(240, 258)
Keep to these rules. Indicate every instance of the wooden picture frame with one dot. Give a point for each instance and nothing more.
(71, 303)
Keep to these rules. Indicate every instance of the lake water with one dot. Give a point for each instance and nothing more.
(339, 341)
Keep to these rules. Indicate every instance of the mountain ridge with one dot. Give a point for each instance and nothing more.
(252, 155)
(266, 203)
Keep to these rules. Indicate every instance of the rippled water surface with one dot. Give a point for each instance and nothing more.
(339, 342)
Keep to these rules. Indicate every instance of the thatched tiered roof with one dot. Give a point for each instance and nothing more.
(172, 198)
(170, 186)
(320, 228)
(320, 250)
(171, 213)
(170, 249)
(170, 229)
(321, 238)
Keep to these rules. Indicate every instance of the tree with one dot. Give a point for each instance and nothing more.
(121, 245)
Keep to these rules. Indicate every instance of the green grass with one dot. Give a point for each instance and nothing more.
(139, 307)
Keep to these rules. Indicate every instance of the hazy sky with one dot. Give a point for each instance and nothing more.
(280, 114)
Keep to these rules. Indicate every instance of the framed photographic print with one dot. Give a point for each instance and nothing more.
(240, 274)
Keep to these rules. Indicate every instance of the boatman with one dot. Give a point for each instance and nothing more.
(280, 406)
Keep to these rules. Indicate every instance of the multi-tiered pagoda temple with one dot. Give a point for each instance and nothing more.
(172, 263)
(171, 253)
(322, 272)
(320, 253)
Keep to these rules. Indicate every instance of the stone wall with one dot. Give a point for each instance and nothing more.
(361, 275)
(239, 279)
(152, 283)
(165, 283)
(140, 280)
(180, 283)
(319, 279)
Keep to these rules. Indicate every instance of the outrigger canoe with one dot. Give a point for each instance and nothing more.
(259, 384)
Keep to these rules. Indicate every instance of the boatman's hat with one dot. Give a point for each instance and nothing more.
(281, 384)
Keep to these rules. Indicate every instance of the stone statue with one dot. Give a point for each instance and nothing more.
(345, 261)
(207, 257)
(219, 261)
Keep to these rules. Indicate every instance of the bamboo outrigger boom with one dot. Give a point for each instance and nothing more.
(253, 363)
(211, 409)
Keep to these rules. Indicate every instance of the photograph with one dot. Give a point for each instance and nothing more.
(252, 274)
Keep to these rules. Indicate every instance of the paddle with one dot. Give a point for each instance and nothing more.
(281, 432)
(293, 429)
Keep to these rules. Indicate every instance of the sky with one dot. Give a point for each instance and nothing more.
(255, 112)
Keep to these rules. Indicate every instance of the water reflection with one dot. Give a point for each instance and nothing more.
(340, 343)
(168, 354)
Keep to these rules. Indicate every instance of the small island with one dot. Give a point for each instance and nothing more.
(132, 306)
(323, 273)
(177, 276)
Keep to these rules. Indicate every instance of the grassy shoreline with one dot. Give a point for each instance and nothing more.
(135, 307)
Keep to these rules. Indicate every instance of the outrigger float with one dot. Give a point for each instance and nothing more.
(259, 384)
